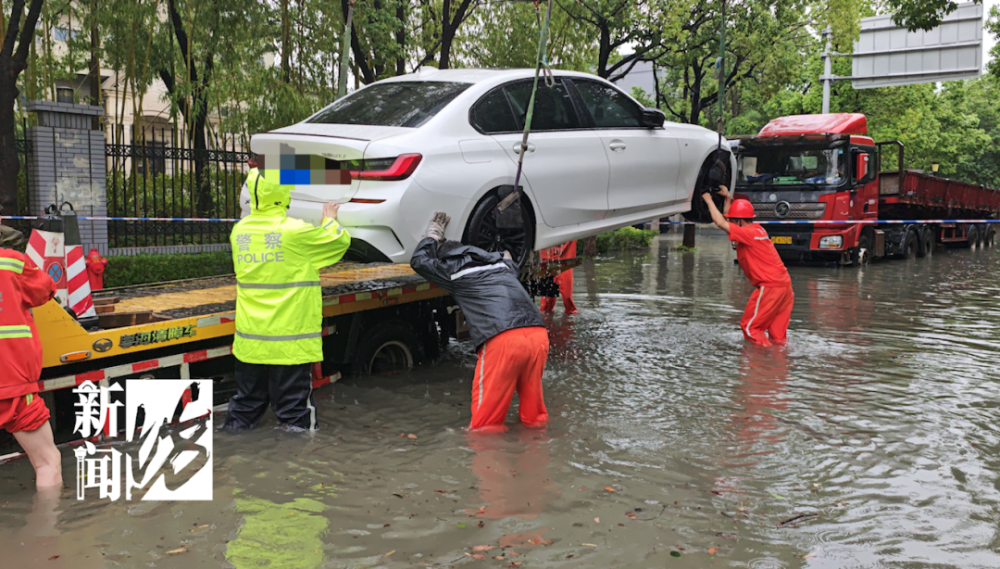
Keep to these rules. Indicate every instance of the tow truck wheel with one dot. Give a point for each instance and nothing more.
(388, 348)
(909, 249)
(510, 230)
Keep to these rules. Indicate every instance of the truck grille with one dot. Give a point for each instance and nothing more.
(772, 210)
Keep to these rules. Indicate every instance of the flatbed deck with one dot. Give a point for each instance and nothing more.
(199, 297)
(180, 312)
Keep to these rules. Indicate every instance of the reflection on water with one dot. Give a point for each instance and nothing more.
(876, 425)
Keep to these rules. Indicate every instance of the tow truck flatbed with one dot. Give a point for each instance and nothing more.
(174, 313)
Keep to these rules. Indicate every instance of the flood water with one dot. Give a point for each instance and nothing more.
(672, 443)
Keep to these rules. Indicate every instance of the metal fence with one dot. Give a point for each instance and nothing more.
(23, 209)
(150, 176)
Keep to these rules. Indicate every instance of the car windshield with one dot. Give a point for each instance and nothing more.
(777, 166)
(398, 103)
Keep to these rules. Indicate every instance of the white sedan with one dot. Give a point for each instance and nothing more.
(400, 149)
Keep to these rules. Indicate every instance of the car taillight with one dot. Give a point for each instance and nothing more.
(388, 169)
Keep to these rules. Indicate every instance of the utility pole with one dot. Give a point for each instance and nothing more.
(345, 52)
(827, 77)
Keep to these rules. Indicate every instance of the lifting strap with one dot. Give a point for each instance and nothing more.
(540, 62)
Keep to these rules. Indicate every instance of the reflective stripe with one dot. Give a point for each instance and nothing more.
(28, 399)
(8, 332)
(12, 265)
(286, 338)
(270, 286)
(462, 273)
(312, 408)
(482, 369)
(755, 310)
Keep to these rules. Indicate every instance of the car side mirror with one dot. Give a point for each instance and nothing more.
(653, 118)
(860, 166)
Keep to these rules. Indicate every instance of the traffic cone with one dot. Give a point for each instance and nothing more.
(47, 250)
(80, 300)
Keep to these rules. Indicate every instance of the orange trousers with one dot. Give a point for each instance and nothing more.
(563, 279)
(768, 310)
(565, 282)
(511, 360)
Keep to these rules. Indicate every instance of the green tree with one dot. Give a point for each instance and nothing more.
(18, 32)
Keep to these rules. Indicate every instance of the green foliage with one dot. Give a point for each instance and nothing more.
(624, 239)
(921, 14)
(142, 269)
(164, 195)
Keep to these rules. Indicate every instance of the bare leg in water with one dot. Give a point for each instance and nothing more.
(44, 456)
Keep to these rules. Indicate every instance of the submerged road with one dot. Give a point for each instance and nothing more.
(871, 441)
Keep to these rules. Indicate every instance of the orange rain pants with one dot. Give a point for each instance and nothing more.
(564, 279)
(511, 360)
(768, 310)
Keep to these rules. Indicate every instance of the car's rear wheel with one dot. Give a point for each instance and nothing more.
(510, 230)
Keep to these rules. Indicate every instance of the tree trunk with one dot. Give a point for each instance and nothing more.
(590, 247)
(689, 233)
(199, 142)
(12, 63)
(604, 52)
(285, 40)
(95, 64)
(10, 163)
(401, 39)
(447, 35)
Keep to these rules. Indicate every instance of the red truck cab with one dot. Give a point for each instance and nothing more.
(811, 168)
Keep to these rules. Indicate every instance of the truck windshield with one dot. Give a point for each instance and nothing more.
(395, 103)
(784, 166)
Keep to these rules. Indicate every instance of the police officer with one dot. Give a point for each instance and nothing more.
(279, 306)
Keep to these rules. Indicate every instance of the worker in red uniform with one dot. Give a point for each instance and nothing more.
(564, 279)
(507, 329)
(24, 286)
(770, 307)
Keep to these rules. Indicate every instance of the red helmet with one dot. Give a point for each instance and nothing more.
(741, 209)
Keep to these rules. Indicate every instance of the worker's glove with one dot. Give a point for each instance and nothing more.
(435, 229)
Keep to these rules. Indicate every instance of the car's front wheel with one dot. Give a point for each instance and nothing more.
(512, 229)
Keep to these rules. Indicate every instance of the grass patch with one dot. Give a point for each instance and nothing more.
(143, 269)
(624, 239)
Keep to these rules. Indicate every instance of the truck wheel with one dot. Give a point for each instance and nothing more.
(983, 236)
(909, 249)
(991, 236)
(388, 348)
(511, 230)
(972, 240)
(927, 244)
(862, 254)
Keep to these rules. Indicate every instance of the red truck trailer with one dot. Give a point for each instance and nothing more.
(830, 192)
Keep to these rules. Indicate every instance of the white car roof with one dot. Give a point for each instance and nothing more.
(475, 75)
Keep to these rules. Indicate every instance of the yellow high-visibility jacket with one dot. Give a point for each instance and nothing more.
(279, 302)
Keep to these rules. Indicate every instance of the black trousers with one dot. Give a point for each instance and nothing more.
(287, 388)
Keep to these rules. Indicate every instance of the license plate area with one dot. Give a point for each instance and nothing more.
(782, 240)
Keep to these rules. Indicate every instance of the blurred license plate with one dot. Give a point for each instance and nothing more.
(781, 240)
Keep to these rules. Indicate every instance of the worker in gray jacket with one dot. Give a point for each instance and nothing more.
(506, 327)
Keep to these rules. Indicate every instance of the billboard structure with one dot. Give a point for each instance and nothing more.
(886, 54)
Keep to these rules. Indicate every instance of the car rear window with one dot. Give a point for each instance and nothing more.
(404, 103)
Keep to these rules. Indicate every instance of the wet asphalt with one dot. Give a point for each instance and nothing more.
(870, 441)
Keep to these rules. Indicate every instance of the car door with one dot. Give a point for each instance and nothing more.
(565, 167)
(644, 162)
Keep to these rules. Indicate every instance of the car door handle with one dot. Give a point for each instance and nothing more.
(617, 145)
(518, 146)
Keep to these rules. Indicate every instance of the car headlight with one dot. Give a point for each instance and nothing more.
(831, 242)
